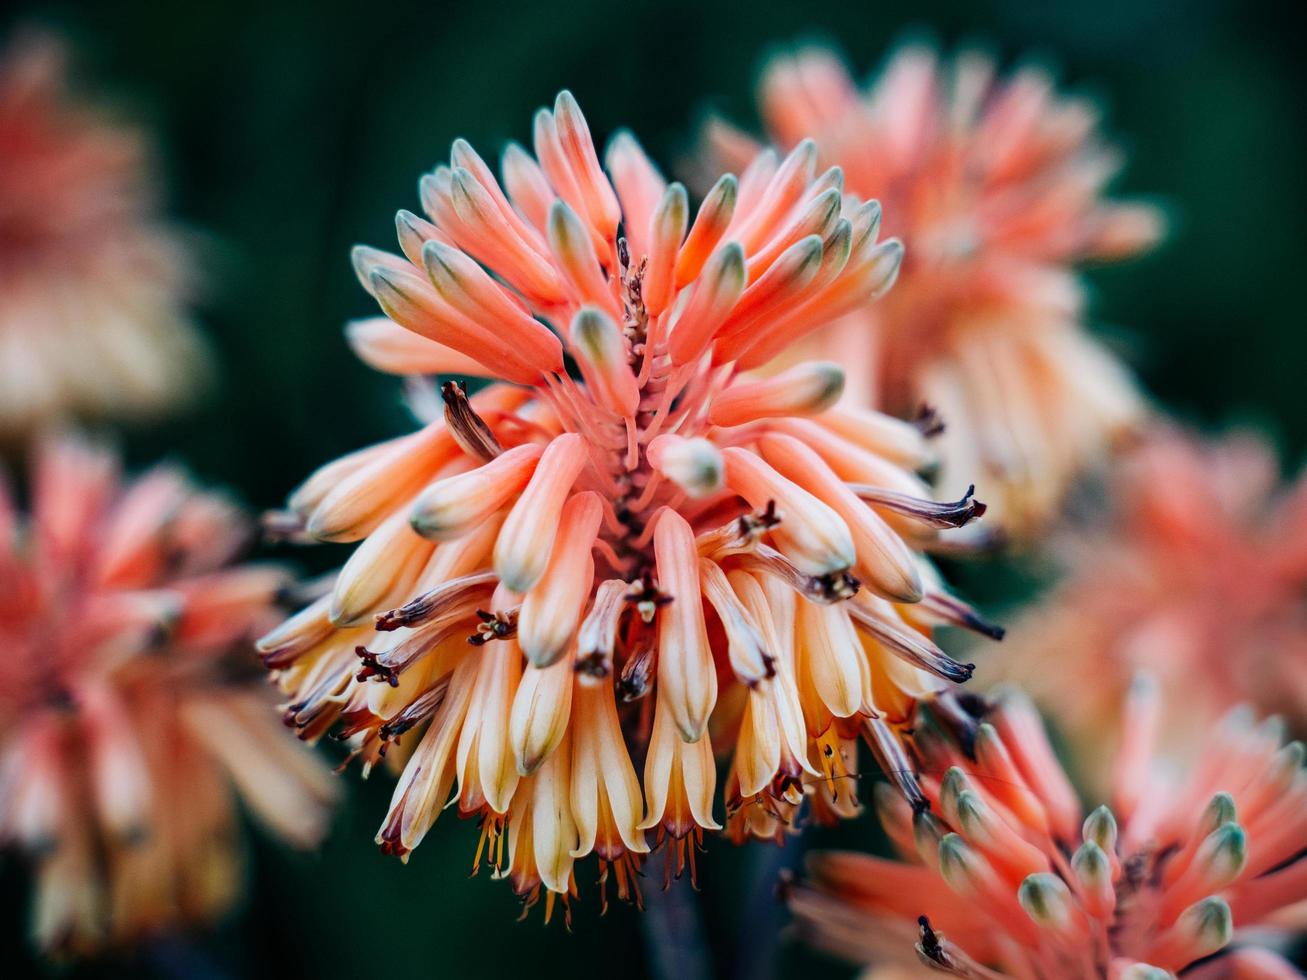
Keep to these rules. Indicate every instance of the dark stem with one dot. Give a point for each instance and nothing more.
(674, 941)
(764, 915)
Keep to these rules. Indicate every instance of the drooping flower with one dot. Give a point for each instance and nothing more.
(997, 188)
(1195, 573)
(563, 579)
(131, 710)
(92, 285)
(1003, 875)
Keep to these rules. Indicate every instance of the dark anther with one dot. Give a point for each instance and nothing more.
(493, 626)
(930, 945)
(374, 668)
(928, 421)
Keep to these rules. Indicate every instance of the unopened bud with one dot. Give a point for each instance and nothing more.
(1046, 899)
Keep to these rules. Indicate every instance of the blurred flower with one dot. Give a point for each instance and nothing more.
(737, 548)
(91, 285)
(1006, 877)
(997, 188)
(1197, 574)
(129, 700)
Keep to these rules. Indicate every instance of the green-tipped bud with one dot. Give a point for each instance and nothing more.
(1100, 828)
(1206, 926)
(1223, 854)
(1220, 810)
(1091, 865)
(954, 784)
(973, 814)
(957, 863)
(927, 834)
(1046, 899)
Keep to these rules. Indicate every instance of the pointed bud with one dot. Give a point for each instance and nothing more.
(695, 465)
(451, 507)
(1220, 810)
(710, 224)
(806, 389)
(666, 230)
(1093, 868)
(715, 294)
(1047, 900)
(527, 537)
(552, 609)
(1100, 828)
(957, 863)
(604, 360)
(541, 708)
(1204, 928)
(1223, 855)
(575, 252)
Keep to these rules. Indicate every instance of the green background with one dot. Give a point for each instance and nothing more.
(288, 132)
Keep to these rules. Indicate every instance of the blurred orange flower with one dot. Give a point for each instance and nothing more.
(131, 713)
(997, 188)
(1003, 876)
(92, 285)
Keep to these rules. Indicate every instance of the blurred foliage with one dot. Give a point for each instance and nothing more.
(290, 131)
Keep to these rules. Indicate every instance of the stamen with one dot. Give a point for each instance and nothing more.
(646, 599)
(284, 527)
(597, 638)
(911, 646)
(823, 589)
(465, 425)
(928, 421)
(495, 626)
(637, 675)
(437, 602)
(931, 512)
(955, 612)
(894, 761)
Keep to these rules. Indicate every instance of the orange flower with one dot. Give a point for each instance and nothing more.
(565, 580)
(1195, 575)
(128, 712)
(1005, 877)
(91, 284)
(997, 188)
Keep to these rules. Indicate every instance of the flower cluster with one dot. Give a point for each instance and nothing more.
(996, 185)
(1196, 576)
(91, 285)
(129, 700)
(1003, 877)
(562, 578)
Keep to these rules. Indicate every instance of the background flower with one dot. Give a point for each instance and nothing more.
(1194, 570)
(997, 184)
(1004, 875)
(130, 714)
(92, 285)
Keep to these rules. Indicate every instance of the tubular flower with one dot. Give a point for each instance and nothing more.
(92, 286)
(997, 187)
(1003, 875)
(564, 580)
(1196, 575)
(129, 717)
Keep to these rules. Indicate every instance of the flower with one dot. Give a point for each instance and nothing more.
(1002, 875)
(92, 285)
(131, 713)
(997, 188)
(562, 580)
(1195, 573)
